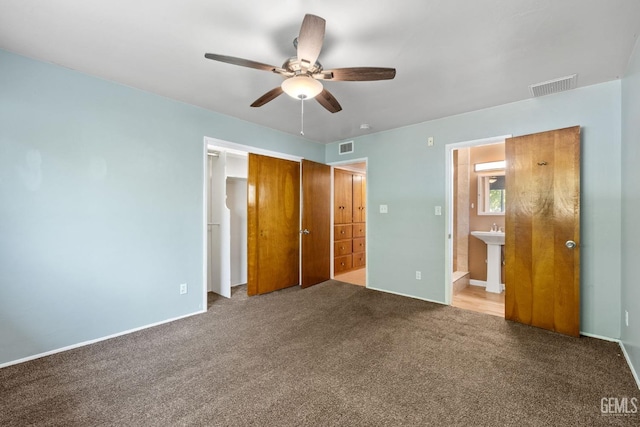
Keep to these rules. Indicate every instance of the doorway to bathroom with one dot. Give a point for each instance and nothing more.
(475, 223)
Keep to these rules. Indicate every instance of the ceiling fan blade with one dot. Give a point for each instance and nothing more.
(310, 39)
(239, 61)
(269, 96)
(358, 74)
(328, 101)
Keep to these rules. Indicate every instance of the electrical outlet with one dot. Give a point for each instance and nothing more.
(183, 288)
(626, 317)
(438, 210)
(430, 141)
(384, 209)
(418, 275)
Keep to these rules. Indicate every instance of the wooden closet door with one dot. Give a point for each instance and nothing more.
(273, 210)
(358, 198)
(342, 197)
(542, 236)
(316, 223)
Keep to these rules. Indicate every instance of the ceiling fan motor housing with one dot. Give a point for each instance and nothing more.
(294, 66)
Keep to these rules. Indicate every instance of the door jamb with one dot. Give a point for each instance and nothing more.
(448, 286)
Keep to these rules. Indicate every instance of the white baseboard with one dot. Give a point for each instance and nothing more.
(600, 337)
(633, 370)
(624, 351)
(406, 295)
(82, 344)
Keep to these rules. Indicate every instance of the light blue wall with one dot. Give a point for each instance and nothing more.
(408, 176)
(631, 208)
(101, 204)
(101, 201)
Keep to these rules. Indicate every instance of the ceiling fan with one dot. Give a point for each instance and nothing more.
(303, 72)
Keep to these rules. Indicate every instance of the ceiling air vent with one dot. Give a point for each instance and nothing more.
(345, 147)
(554, 86)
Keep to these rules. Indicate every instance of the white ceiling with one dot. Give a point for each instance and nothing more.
(451, 56)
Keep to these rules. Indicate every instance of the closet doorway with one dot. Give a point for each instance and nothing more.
(226, 220)
(350, 222)
(225, 213)
(239, 204)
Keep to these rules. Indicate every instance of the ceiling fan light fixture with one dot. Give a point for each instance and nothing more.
(302, 87)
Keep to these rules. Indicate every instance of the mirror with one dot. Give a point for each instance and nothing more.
(491, 193)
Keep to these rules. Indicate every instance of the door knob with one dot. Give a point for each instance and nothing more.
(305, 231)
(570, 244)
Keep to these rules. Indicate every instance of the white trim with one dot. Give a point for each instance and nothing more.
(599, 337)
(408, 296)
(626, 356)
(205, 226)
(346, 162)
(448, 230)
(89, 342)
(249, 149)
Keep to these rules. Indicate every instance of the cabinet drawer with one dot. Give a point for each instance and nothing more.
(342, 247)
(341, 232)
(359, 259)
(359, 230)
(342, 263)
(359, 244)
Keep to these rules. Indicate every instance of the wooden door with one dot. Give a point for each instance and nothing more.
(542, 219)
(342, 184)
(316, 223)
(358, 198)
(273, 232)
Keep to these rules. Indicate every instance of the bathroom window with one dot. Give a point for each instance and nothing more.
(491, 193)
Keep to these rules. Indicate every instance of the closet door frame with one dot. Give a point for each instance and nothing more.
(213, 143)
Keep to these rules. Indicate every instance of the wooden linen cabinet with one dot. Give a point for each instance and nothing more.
(349, 221)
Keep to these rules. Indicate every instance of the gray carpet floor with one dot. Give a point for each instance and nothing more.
(331, 355)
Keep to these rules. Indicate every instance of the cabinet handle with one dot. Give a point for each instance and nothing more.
(342, 232)
(342, 264)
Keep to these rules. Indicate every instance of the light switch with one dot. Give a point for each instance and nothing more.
(438, 210)
(384, 209)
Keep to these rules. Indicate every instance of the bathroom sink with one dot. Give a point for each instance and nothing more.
(493, 239)
(490, 237)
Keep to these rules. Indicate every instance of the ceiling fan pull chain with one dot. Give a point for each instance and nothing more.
(302, 116)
